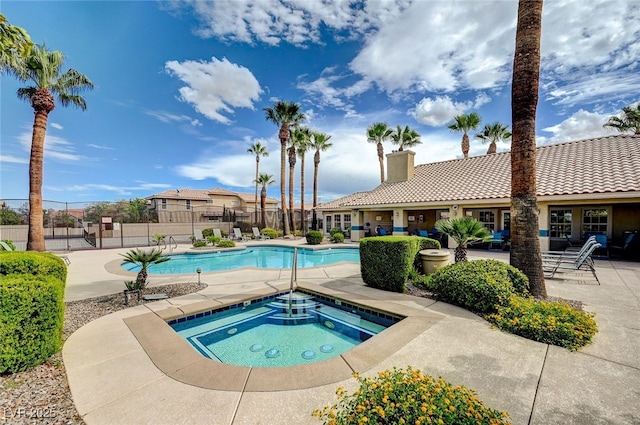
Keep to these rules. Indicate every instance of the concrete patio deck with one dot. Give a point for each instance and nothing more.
(114, 380)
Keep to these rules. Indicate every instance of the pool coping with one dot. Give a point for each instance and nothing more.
(176, 358)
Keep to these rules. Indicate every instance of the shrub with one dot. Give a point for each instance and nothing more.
(268, 231)
(555, 323)
(9, 243)
(386, 261)
(31, 320)
(33, 263)
(334, 230)
(337, 238)
(314, 237)
(213, 240)
(226, 243)
(207, 232)
(199, 243)
(479, 285)
(408, 397)
(424, 243)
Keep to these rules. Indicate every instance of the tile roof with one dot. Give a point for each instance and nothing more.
(204, 194)
(601, 165)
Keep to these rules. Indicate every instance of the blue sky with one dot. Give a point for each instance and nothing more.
(180, 86)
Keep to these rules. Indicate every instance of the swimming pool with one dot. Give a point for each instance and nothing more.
(270, 257)
(281, 330)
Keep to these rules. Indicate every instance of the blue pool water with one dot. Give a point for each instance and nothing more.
(265, 334)
(270, 257)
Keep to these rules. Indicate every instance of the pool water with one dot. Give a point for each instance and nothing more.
(265, 334)
(270, 257)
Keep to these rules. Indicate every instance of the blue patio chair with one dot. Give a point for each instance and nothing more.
(496, 239)
(621, 250)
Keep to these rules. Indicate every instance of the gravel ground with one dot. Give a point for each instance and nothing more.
(42, 395)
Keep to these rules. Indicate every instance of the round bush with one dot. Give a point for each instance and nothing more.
(31, 320)
(408, 397)
(207, 232)
(268, 231)
(555, 323)
(199, 243)
(226, 243)
(314, 237)
(334, 230)
(337, 238)
(479, 285)
(33, 263)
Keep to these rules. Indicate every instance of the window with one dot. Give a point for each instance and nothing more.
(347, 222)
(336, 219)
(560, 222)
(188, 201)
(488, 219)
(164, 204)
(595, 220)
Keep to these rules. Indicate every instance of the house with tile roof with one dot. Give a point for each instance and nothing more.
(585, 186)
(208, 206)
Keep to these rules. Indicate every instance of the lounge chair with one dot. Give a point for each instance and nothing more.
(258, 235)
(621, 250)
(571, 251)
(237, 235)
(197, 233)
(5, 247)
(557, 264)
(218, 234)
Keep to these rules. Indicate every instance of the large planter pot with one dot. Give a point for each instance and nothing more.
(433, 259)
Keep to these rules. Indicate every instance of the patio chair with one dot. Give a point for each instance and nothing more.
(237, 235)
(559, 264)
(423, 233)
(197, 233)
(621, 250)
(218, 234)
(496, 239)
(571, 252)
(258, 235)
(5, 246)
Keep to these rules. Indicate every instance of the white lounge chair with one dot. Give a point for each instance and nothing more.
(257, 235)
(237, 235)
(218, 234)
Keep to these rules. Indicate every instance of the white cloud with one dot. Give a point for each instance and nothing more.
(440, 110)
(109, 148)
(54, 147)
(215, 87)
(56, 125)
(581, 125)
(168, 117)
(13, 159)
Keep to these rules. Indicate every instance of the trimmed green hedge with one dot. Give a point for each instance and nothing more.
(479, 285)
(268, 231)
(337, 237)
(226, 243)
(386, 261)
(31, 320)
(314, 237)
(33, 263)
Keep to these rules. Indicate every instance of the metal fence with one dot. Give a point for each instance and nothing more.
(70, 226)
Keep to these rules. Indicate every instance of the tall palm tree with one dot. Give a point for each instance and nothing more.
(629, 120)
(294, 141)
(319, 142)
(303, 144)
(492, 133)
(378, 133)
(15, 45)
(43, 68)
(405, 137)
(284, 114)
(463, 124)
(264, 180)
(465, 231)
(257, 149)
(525, 244)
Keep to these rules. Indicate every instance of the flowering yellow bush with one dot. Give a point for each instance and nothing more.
(401, 396)
(555, 323)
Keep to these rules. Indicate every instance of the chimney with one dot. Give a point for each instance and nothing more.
(400, 166)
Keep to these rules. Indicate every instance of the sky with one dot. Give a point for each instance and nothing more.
(181, 86)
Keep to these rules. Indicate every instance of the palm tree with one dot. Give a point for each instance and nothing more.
(257, 149)
(294, 140)
(628, 121)
(465, 231)
(319, 142)
(43, 68)
(284, 114)
(405, 137)
(378, 133)
(264, 180)
(525, 244)
(15, 45)
(303, 144)
(144, 259)
(464, 123)
(492, 133)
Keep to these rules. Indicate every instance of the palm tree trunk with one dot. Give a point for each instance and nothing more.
(42, 103)
(381, 160)
(460, 253)
(492, 148)
(255, 199)
(465, 145)
(263, 205)
(316, 163)
(303, 217)
(525, 244)
(283, 164)
(292, 167)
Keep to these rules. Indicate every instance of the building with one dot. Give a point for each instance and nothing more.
(209, 205)
(590, 185)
